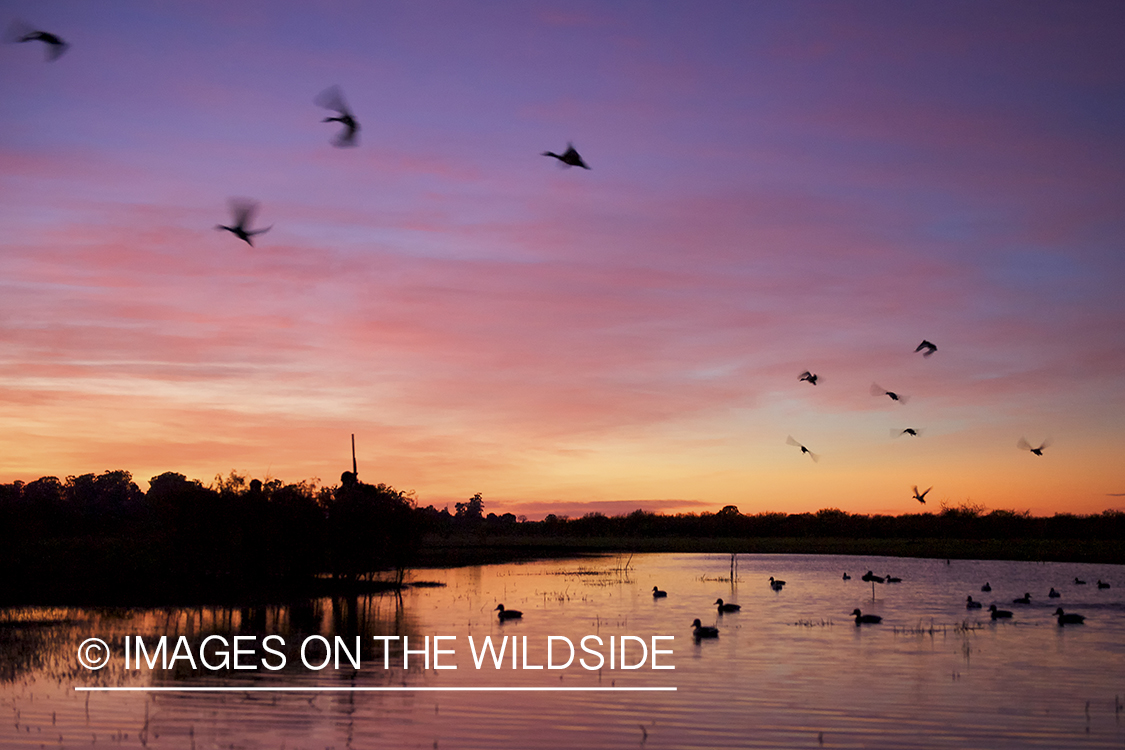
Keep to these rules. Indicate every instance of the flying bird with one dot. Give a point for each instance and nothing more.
(908, 431)
(878, 390)
(21, 32)
(569, 157)
(1024, 445)
(243, 210)
(812, 455)
(332, 98)
(808, 376)
(929, 346)
(921, 498)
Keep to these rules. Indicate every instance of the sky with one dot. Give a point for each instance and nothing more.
(773, 188)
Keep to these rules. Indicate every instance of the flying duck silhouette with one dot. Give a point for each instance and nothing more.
(333, 98)
(1065, 619)
(970, 604)
(1052, 594)
(21, 32)
(921, 498)
(986, 587)
(999, 614)
(658, 594)
(1022, 444)
(810, 377)
(508, 614)
(243, 210)
(861, 619)
(703, 631)
(569, 157)
(929, 346)
(1102, 584)
(812, 455)
(912, 432)
(727, 607)
(878, 390)
(1025, 599)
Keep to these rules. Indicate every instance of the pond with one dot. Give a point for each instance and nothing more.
(790, 669)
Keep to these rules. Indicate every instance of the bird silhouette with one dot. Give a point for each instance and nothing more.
(775, 582)
(243, 210)
(508, 614)
(809, 377)
(812, 455)
(870, 576)
(999, 614)
(1079, 582)
(21, 32)
(929, 346)
(1052, 594)
(1102, 584)
(1069, 619)
(986, 587)
(1022, 444)
(569, 157)
(893, 579)
(861, 619)
(727, 607)
(658, 594)
(1025, 599)
(970, 604)
(333, 98)
(846, 576)
(878, 390)
(911, 431)
(921, 498)
(699, 630)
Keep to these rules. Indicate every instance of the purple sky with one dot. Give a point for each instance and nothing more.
(774, 188)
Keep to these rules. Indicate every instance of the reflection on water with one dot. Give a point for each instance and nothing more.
(791, 669)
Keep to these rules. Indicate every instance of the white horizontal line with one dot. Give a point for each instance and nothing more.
(314, 689)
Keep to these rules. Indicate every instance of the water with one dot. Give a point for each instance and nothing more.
(790, 670)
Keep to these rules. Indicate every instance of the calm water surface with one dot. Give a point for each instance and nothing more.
(790, 670)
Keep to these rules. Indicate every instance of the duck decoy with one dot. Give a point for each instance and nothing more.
(1022, 444)
(569, 157)
(332, 98)
(986, 587)
(893, 579)
(243, 210)
(1071, 619)
(846, 576)
(878, 390)
(1025, 599)
(929, 347)
(1052, 594)
(970, 604)
(1102, 584)
(999, 614)
(727, 607)
(21, 32)
(508, 614)
(699, 630)
(658, 594)
(921, 498)
(775, 582)
(1078, 581)
(862, 619)
(809, 377)
(812, 455)
(869, 576)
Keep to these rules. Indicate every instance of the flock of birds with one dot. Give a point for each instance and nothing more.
(927, 348)
(701, 631)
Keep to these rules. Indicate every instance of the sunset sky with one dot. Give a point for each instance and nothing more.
(774, 187)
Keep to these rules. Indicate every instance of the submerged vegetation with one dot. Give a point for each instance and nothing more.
(100, 538)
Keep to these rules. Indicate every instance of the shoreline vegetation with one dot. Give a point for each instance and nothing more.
(100, 540)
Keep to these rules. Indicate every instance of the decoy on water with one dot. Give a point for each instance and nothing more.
(332, 98)
(970, 604)
(1078, 581)
(1025, 599)
(1065, 619)
(21, 32)
(921, 498)
(727, 607)
(569, 157)
(809, 377)
(1022, 444)
(846, 576)
(699, 630)
(1102, 584)
(878, 390)
(775, 582)
(812, 455)
(892, 579)
(986, 587)
(869, 576)
(658, 594)
(928, 346)
(861, 619)
(999, 614)
(508, 614)
(1052, 594)
(243, 210)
